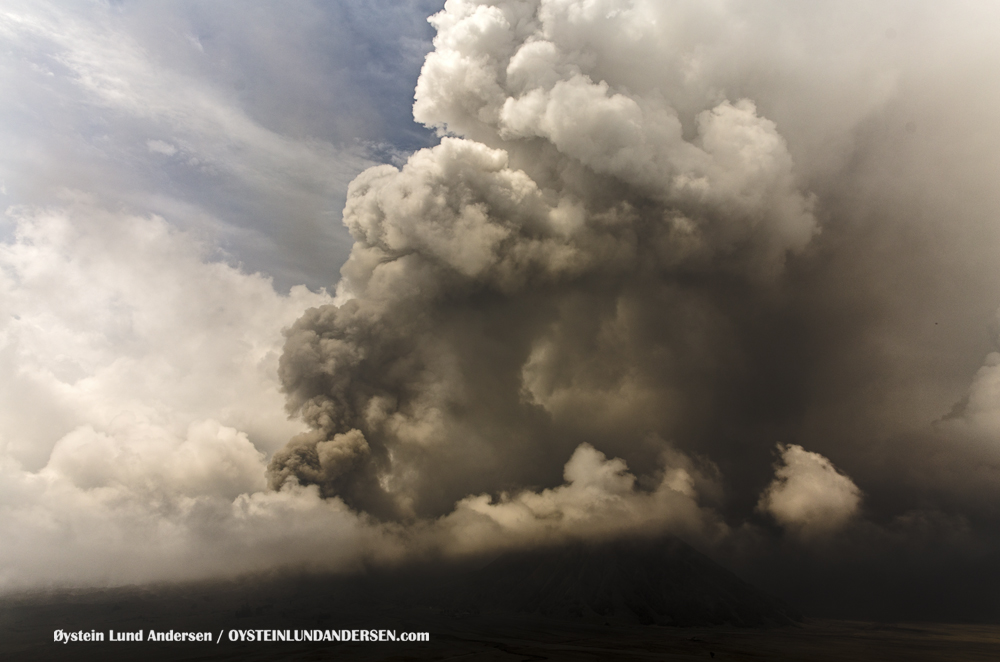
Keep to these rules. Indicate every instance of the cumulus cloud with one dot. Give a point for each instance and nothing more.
(599, 499)
(508, 72)
(139, 390)
(808, 495)
(111, 317)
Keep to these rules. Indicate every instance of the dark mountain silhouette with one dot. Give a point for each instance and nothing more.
(660, 581)
(609, 591)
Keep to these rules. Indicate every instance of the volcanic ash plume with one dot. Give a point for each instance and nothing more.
(559, 271)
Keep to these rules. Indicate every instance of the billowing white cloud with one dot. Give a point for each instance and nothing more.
(110, 317)
(509, 72)
(809, 496)
(139, 506)
(138, 388)
(599, 499)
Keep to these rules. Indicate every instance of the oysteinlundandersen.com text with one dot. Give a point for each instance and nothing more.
(366, 635)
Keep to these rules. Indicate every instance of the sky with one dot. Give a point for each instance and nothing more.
(318, 285)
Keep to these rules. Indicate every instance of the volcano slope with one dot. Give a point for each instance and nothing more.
(645, 581)
(637, 599)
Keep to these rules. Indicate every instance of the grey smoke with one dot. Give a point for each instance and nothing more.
(568, 276)
(678, 235)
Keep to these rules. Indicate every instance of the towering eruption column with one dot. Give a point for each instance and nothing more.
(558, 273)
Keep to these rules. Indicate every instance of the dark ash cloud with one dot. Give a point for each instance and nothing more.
(678, 235)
